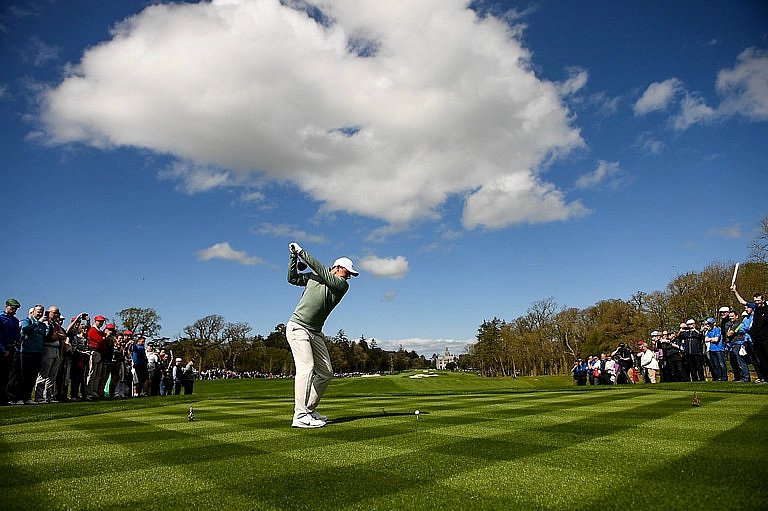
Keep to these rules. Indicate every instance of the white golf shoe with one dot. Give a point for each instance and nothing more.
(317, 416)
(307, 422)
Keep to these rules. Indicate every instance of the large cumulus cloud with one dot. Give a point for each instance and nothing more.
(382, 109)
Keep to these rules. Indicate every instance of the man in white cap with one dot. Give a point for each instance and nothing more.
(323, 290)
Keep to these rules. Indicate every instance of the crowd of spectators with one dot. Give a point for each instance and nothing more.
(226, 374)
(45, 359)
(695, 352)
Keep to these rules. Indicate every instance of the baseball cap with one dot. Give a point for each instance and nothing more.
(724, 309)
(346, 262)
(178, 360)
(127, 332)
(711, 321)
(99, 318)
(13, 302)
(110, 326)
(690, 322)
(751, 305)
(655, 333)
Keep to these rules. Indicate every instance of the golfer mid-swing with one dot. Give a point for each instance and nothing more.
(323, 290)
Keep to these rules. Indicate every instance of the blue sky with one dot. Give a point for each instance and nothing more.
(470, 162)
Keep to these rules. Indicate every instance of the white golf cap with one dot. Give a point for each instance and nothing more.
(690, 322)
(724, 309)
(346, 262)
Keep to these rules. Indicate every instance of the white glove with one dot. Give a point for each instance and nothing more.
(295, 248)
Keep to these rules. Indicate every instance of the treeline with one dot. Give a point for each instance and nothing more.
(548, 338)
(215, 343)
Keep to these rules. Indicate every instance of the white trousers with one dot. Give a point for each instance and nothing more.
(313, 367)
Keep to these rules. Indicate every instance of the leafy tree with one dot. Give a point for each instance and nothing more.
(277, 339)
(141, 321)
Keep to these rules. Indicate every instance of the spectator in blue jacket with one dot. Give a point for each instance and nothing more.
(713, 336)
(579, 371)
(34, 330)
(140, 366)
(738, 339)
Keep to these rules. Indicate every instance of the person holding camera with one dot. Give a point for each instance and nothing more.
(78, 338)
(579, 371)
(49, 364)
(672, 350)
(34, 329)
(623, 356)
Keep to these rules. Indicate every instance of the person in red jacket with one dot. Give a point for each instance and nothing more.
(98, 344)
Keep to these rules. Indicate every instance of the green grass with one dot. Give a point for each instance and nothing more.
(530, 443)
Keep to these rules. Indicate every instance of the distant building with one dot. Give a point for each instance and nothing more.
(444, 360)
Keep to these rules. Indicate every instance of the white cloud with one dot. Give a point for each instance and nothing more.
(743, 91)
(399, 105)
(744, 88)
(658, 96)
(607, 174)
(288, 232)
(195, 178)
(731, 231)
(389, 296)
(518, 198)
(39, 53)
(226, 252)
(693, 110)
(577, 79)
(648, 144)
(387, 267)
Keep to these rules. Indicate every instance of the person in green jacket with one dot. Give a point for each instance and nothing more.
(323, 290)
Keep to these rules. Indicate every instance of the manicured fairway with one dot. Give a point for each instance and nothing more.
(477, 444)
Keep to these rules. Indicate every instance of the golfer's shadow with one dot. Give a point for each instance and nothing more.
(378, 415)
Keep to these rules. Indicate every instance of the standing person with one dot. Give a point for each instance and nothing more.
(66, 355)
(725, 320)
(648, 363)
(189, 376)
(579, 371)
(34, 330)
(716, 351)
(606, 370)
(154, 370)
(758, 331)
(323, 290)
(97, 345)
(694, 350)
(140, 365)
(80, 356)
(673, 356)
(10, 335)
(49, 365)
(166, 383)
(623, 355)
(178, 377)
(737, 340)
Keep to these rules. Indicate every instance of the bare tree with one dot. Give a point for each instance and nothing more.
(759, 246)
